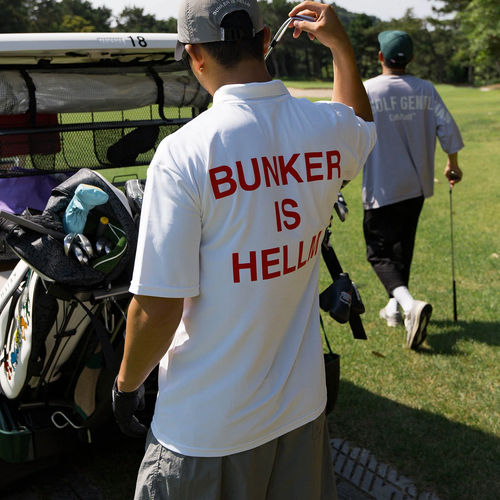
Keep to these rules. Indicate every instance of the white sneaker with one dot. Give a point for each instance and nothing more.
(416, 323)
(393, 319)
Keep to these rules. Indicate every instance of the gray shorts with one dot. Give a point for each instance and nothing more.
(295, 466)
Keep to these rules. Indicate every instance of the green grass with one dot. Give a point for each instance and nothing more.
(434, 414)
(307, 84)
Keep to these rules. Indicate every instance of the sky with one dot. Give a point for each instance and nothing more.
(383, 9)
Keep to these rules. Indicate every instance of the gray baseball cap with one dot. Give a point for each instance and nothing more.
(199, 21)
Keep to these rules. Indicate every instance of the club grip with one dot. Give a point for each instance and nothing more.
(103, 224)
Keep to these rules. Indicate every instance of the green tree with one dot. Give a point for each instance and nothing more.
(47, 16)
(451, 6)
(15, 16)
(363, 37)
(100, 17)
(480, 21)
(133, 19)
(76, 24)
(275, 13)
(437, 48)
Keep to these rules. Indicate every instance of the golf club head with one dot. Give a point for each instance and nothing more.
(68, 241)
(341, 199)
(279, 34)
(103, 246)
(83, 242)
(134, 191)
(78, 253)
(341, 210)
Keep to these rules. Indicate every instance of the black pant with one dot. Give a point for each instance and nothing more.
(390, 238)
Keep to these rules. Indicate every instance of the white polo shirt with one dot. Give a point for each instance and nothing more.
(235, 208)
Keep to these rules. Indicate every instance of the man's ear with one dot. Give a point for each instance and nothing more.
(197, 57)
(380, 56)
(267, 38)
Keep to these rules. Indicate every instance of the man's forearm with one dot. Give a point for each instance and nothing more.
(151, 325)
(453, 160)
(348, 87)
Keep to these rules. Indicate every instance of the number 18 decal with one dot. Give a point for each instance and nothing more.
(140, 40)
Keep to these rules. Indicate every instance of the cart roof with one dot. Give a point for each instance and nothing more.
(78, 48)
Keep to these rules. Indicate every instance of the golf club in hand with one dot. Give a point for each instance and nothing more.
(453, 176)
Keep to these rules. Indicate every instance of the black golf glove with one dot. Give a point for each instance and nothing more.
(125, 405)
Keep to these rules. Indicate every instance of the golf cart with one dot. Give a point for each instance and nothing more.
(92, 108)
(82, 109)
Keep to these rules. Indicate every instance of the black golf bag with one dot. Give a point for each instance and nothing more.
(61, 327)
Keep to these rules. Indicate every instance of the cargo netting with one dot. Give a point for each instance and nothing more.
(63, 119)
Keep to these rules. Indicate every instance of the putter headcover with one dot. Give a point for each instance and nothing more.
(85, 199)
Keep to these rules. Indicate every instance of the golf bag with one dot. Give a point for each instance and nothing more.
(62, 322)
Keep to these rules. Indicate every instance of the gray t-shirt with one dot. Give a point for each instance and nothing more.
(409, 115)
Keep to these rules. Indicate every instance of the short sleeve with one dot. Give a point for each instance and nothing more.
(447, 130)
(367, 138)
(167, 258)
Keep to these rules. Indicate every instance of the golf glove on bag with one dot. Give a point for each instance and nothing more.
(125, 405)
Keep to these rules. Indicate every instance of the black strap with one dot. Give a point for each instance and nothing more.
(357, 328)
(234, 34)
(107, 348)
(330, 257)
(161, 93)
(324, 335)
(334, 267)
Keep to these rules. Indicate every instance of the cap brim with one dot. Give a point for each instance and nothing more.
(179, 50)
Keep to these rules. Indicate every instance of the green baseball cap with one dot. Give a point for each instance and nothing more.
(396, 46)
(199, 21)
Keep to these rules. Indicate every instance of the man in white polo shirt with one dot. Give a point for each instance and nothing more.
(226, 273)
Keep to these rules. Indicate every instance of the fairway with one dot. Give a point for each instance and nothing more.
(433, 414)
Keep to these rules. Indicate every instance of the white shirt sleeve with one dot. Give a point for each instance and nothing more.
(167, 258)
(367, 138)
(358, 135)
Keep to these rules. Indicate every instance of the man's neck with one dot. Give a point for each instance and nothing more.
(393, 71)
(246, 72)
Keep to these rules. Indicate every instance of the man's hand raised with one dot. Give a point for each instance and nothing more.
(348, 88)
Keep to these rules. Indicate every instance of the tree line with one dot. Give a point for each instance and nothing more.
(458, 44)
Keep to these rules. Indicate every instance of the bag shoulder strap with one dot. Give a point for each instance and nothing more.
(334, 267)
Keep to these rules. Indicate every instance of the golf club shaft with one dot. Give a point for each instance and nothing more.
(455, 316)
(32, 225)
